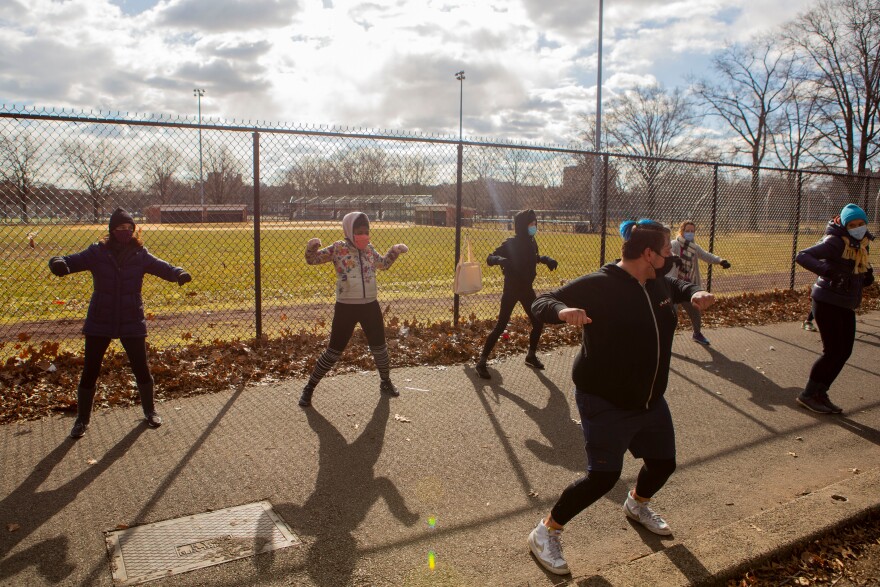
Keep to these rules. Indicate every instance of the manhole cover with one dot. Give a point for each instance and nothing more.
(153, 551)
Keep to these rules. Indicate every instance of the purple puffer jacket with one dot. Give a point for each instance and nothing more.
(116, 309)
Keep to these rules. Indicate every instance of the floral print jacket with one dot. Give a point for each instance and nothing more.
(355, 269)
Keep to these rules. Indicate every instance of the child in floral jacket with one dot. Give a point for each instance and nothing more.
(356, 262)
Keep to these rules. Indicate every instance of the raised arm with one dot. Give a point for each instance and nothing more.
(384, 262)
(556, 307)
(75, 263)
(164, 270)
(815, 258)
(315, 255)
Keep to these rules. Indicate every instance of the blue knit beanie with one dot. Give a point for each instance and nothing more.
(852, 212)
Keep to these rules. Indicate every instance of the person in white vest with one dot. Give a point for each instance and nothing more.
(355, 261)
(689, 269)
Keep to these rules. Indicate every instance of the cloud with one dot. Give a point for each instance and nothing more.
(225, 15)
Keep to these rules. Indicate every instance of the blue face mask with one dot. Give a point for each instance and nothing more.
(858, 233)
(688, 236)
(533, 230)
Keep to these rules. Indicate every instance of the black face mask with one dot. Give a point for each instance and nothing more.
(668, 264)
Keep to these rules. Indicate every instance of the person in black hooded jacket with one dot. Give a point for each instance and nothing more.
(518, 257)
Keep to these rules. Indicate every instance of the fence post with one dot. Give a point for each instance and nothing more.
(865, 197)
(258, 290)
(712, 224)
(604, 208)
(797, 228)
(455, 296)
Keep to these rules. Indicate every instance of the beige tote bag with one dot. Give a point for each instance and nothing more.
(468, 274)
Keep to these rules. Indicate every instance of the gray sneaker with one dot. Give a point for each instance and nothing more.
(642, 513)
(545, 545)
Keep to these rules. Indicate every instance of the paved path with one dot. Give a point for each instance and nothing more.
(485, 459)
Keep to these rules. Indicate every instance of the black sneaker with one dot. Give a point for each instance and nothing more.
(835, 409)
(483, 370)
(79, 429)
(153, 420)
(814, 404)
(533, 361)
(305, 400)
(386, 387)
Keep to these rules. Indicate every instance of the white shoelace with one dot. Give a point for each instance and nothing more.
(647, 512)
(553, 543)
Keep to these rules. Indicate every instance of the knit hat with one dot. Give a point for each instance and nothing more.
(852, 212)
(118, 217)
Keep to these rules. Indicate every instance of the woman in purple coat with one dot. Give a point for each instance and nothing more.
(118, 263)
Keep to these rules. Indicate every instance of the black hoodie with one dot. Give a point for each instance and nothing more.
(518, 255)
(626, 349)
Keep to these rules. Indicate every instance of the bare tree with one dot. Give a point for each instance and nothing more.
(161, 163)
(514, 168)
(19, 167)
(413, 172)
(652, 123)
(99, 166)
(311, 176)
(223, 181)
(840, 39)
(752, 83)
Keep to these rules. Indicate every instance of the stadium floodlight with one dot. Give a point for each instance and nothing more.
(460, 77)
(198, 93)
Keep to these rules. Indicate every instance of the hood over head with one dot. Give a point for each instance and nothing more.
(522, 220)
(348, 222)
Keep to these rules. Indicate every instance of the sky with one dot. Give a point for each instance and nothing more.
(530, 65)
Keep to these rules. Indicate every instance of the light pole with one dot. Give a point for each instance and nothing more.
(455, 299)
(198, 93)
(460, 77)
(594, 196)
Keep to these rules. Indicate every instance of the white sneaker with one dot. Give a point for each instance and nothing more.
(545, 545)
(642, 513)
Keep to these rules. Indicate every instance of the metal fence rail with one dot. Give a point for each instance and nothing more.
(266, 190)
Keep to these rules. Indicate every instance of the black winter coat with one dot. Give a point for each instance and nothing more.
(116, 309)
(518, 255)
(837, 284)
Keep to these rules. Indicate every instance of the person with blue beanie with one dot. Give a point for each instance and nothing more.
(841, 261)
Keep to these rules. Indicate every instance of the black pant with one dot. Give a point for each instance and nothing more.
(135, 348)
(347, 316)
(837, 327)
(509, 299)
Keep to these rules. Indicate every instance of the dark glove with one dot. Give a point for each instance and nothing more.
(869, 277)
(184, 277)
(725, 264)
(58, 267)
(552, 264)
(676, 260)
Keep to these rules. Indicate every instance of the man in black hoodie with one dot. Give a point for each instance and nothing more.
(518, 257)
(620, 376)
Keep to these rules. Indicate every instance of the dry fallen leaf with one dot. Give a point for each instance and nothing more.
(12, 527)
(400, 418)
(792, 454)
(92, 461)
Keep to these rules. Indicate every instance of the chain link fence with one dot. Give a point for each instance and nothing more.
(235, 203)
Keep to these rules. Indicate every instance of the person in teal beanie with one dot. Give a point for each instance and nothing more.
(840, 260)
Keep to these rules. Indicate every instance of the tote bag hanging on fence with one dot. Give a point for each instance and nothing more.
(468, 274)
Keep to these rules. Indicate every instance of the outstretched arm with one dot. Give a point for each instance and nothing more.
(384, 262)
(315, 255)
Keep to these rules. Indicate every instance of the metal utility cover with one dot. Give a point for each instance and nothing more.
(149, 552)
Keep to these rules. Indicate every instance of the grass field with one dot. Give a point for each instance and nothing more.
(221, 261)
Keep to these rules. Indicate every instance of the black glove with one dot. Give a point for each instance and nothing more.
(869, 277)
(725, 264)
(552, 264)
(184, 277)
(58, 267)
(676, 260)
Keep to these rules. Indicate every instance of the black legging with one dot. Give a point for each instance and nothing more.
(837, 327)
(587, 490)
(135, 348)
(509, 299)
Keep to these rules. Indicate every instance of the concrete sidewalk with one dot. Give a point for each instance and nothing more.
(485, 460)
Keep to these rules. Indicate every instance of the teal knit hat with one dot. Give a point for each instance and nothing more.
(852, 212)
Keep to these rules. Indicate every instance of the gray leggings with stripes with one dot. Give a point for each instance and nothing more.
(345, 318)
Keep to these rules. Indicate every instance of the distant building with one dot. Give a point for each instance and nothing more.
(195, 213)
(442, 215)
(377, 207)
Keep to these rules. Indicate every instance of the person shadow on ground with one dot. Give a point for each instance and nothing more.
(345, 489)
(28, 508)
(765, 393)
(565, 448)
